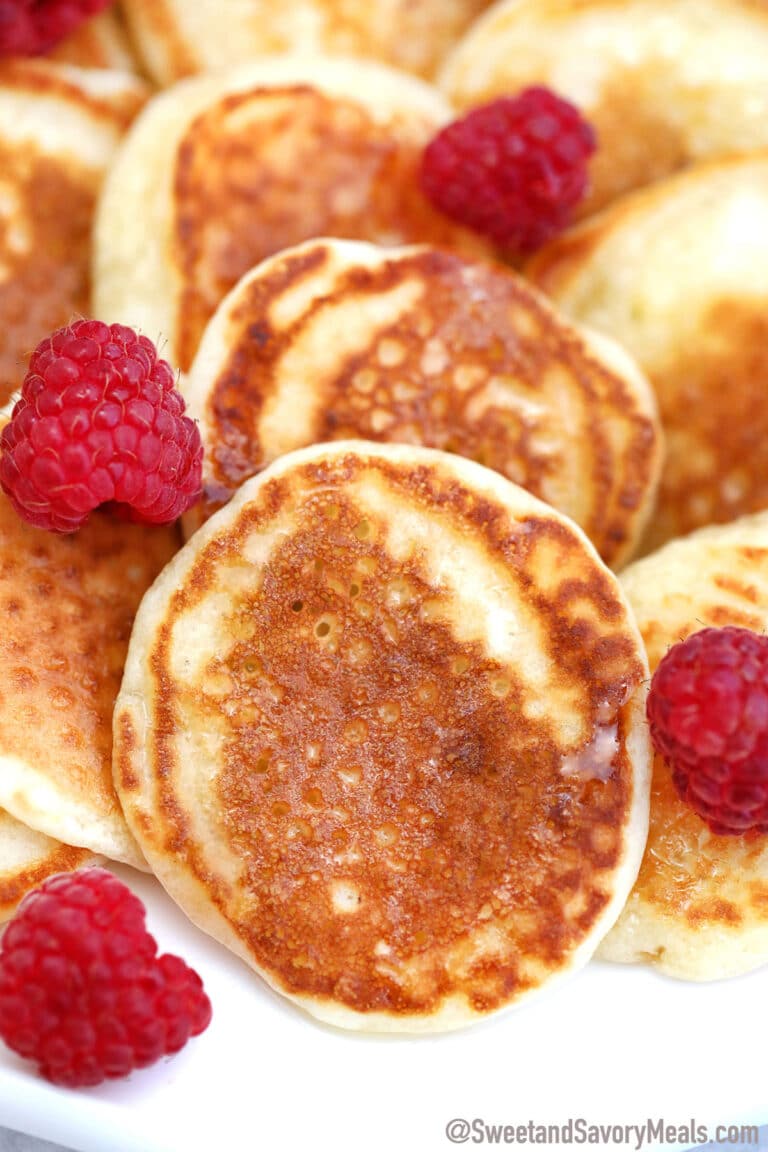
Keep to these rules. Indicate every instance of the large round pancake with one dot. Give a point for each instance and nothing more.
(28, 858)
(677, 274)
(101, 42)
(381, 732)
(59, 127)
(339, 340)
(231, 168)
(699, 909)
(68, 604)
(177, 38)
(663, 83)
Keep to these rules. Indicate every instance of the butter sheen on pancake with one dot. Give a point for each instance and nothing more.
(231, 168)
(67, 604)
(28, 858)
(59, 128)
(677, 274)
(664, 84)
(699, 908)
(177, 37)
(381, 732)
(337, 340)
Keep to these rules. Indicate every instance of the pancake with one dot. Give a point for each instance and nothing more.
(177, 38)
(677, 274)
(230, 169)
(100, 42)
(381, 732)
(338, 340)
(699, 909)
(59, 127)
(664, 84)
(68, 604)
(27, 859)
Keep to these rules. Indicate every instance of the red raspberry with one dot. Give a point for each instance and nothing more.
(513, 169)
(82, 989)
(99, 421)
(30, 27)
(708, 712)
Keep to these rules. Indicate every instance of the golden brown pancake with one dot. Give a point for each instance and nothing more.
(27, 859)
(179, 37)
(676, 273)
(699, 909)
(335, 340)
(664, 84)
(59, 127)
(381, 732)
(100, 42)
(67, 605)
(230, 169)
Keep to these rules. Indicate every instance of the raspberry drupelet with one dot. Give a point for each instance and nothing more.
(82, 989)
(513, 169)
(99, 421)
(31, 27)
(708, 715)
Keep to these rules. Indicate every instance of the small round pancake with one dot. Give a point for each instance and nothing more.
(338, 340)
(699, 909)
(230, 169)
(677, 274)
(28, 858)
(59, 127)
(381, 732)
(664, 84)
(67, 604)
(177, 38)
(100, 42)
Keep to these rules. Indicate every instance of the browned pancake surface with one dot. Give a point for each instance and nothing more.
(476, 363)
(46, 278)
(409, 823)
(263, 170)
(47, 201)
(675, 272)
(68, 604)
(100, 42)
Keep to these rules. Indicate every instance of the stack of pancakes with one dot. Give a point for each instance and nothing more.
(378, 725)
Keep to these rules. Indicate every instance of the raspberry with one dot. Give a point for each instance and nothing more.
(708, 712)
(82, 989)
(30, 27)
(513, 169)
(99, 421)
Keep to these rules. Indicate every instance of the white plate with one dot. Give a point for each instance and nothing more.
(614, 1045)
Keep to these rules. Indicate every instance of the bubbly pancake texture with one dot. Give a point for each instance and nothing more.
(664, 84)
(28, 858)
(59, 127)
(676, 273)
(177, 38)
(67, 605)
(699, 909)
(230, 169)
(381, 732)
(338, 340)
